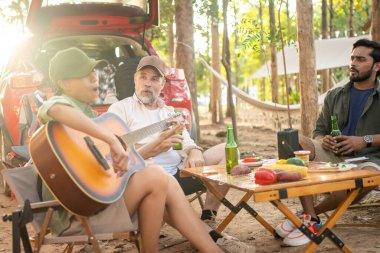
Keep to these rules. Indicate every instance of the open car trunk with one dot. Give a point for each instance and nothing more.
(112, 16)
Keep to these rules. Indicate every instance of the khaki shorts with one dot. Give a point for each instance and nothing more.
(114, 219)
(322, 155)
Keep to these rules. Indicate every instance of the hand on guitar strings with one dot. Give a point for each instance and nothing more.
(119, 157)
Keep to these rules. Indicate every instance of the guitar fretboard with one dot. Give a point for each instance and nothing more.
(139, 134)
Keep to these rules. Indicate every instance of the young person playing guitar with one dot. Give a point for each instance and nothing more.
(150, 194)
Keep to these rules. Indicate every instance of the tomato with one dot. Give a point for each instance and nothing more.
(249, 160)
(265, 176)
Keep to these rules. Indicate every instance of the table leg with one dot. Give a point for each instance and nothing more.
(325, 231)
(330, 223)
(235, 209)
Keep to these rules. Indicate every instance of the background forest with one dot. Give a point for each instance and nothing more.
(244, 35)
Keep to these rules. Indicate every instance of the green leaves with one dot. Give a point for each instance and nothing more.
(14, 11)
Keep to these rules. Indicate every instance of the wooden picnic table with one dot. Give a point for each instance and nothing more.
(314, 183)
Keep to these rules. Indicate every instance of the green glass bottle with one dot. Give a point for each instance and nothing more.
(334, 127)
(232, 152)
(178, 145)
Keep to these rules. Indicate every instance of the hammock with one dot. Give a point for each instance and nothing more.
(264, 105)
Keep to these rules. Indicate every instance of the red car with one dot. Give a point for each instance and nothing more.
(107, 29)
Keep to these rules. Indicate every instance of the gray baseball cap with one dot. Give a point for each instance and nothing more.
(152, 61)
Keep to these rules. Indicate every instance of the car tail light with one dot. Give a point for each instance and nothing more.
(26, 79)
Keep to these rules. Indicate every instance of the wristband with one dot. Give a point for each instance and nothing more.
(196, 147)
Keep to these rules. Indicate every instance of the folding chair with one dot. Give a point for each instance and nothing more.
(23, 183)
(197, 195)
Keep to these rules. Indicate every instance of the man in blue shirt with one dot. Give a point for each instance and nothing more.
(357, 107)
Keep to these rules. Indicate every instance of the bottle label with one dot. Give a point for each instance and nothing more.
(232, 158)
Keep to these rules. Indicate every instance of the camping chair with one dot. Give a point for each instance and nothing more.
(23, 182)
(198, 195)
(16, 153)
(124, 82)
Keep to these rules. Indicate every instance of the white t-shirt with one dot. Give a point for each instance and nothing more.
(136, 116)
(169, 159)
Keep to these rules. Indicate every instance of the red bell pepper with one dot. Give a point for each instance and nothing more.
(265, 176)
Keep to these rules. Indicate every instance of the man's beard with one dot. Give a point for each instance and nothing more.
(361, 77)
(147, 100)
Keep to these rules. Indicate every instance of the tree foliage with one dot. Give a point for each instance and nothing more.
(14, 11)
(246, 31)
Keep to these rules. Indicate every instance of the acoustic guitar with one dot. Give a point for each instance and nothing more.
(78, 168)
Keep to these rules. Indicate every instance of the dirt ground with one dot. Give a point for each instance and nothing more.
(244, 227)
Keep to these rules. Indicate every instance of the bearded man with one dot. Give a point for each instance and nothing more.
(357, 108)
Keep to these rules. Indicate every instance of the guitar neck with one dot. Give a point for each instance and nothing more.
(139, 134)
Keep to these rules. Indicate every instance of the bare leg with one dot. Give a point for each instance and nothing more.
(307, 144)
(215, 155)
(146, 193)
(335, 198)
(181, 215)
(308, 205)
(211, 202)
(331, 202)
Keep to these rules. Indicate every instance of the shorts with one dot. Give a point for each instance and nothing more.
(114, 219)
(322, 155)
(189, 185)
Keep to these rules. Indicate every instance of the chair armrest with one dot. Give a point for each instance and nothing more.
(43, 206)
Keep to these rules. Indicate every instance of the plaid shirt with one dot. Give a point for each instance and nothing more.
(106, 82)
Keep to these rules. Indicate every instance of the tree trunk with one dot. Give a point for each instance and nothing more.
(288, 16)
(262, 51)
(351, 20)
(227, 66)
(367, 8)
(375, 25)
(236, 45)
(287, 79)
(171, 44)
(325, 73)
(216, 93)
(307, 74)
(185, 57)
(273, 52)
(331, 12)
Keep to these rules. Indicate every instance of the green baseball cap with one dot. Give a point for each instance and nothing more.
(72, 63)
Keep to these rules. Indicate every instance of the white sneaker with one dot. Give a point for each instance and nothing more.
(231, 244)
(297, 238)
(286, 227)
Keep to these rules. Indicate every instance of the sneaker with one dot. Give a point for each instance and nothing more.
(286, 227)
(297, 238)
(231, 244)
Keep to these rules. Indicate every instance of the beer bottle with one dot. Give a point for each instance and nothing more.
(334, 127)
(232, 152)
(178, 145)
